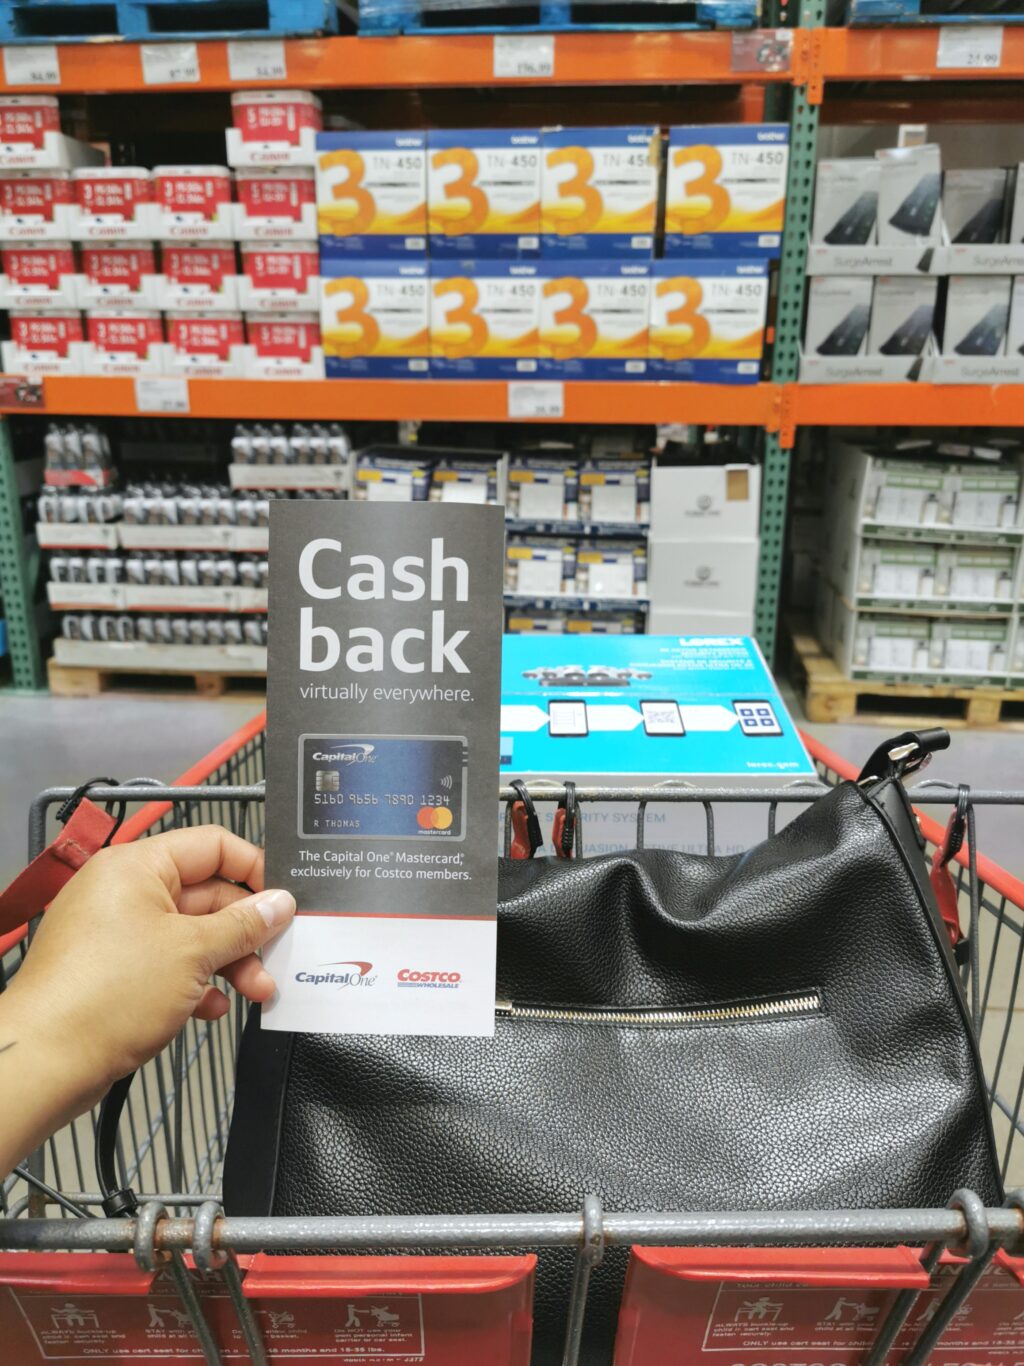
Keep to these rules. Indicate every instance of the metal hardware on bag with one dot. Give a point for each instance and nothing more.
(904, 754)
(641, 1016)
(68, 809)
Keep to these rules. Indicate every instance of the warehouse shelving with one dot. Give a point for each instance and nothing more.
(809, 60)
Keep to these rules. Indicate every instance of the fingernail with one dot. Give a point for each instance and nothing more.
(276, 907)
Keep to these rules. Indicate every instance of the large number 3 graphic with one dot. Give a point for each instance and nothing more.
(684, 315)
(350, 191)
(572, 316)
(462, 315)
(463, 187)
(362, 332)
(577, 187)
(703, 187)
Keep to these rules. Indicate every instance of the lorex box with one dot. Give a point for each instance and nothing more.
(708, 320)
(484, 319)
(594, 319)
(371, 194)
(483, 192)
(620, 711)
(725, 189)
(375, 318)
(599, 191)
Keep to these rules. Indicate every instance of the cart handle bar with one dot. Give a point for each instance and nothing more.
(758, 1228)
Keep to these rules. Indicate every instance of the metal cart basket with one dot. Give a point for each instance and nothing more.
(174, 1128)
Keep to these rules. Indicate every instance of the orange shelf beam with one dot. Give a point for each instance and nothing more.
(906, 405)
(418, 61)
(427, 400)
(860, 54)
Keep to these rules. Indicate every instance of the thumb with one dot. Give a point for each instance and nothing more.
(244, 926)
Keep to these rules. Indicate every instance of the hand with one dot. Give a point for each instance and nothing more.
(123, 957)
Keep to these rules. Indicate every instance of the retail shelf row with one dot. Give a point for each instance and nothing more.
(804, 56)
(776, 407)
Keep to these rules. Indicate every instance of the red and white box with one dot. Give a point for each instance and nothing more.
(203, 345)
(273, 128)
(280, 275)
(199, 275)
(277, 202)
(124, 341)
(26, 119)
(35, 205)
(283, 346)
(194, 202)
(30, 135)
(38, 275)
(45, 344)
(114, 204)
(123, 274)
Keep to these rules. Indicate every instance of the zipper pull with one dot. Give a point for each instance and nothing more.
(503, 1010)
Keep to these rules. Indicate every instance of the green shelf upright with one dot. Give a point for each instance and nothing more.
(803, 142)
(17, 576)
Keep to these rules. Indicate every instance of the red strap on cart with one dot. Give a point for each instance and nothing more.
(88, 829)
(941, 878)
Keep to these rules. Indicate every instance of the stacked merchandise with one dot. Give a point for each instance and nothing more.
(151, 255)
(921, 560)
(916, 273)
(130, 568)
(556, 253)
(705, 512)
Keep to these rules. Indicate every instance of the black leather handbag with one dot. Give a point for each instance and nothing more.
(783, 1028)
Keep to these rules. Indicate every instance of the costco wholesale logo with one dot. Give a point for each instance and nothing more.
(439, 981)
(359, 976)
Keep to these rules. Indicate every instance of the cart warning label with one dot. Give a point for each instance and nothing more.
(788, 1320)
(382, 1329)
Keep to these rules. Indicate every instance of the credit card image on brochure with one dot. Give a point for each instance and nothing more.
(386, 787)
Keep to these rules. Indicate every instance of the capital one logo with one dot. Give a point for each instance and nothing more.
(358, 975)
(355, 753)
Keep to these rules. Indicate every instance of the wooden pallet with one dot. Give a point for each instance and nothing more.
(828, 695)
(79, 681)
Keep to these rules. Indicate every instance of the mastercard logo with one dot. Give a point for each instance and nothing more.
(433, 818)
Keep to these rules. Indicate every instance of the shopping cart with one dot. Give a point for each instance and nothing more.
(173, 1132)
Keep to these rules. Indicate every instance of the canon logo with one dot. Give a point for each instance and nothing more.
(410, 975)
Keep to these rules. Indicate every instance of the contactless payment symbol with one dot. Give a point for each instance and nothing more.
(382, 786)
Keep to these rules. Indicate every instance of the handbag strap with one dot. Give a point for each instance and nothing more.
(526, 832)
(86, 829)
(903, 754)
(942, 879)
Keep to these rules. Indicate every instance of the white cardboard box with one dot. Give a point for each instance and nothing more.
(705, 576)
(705, 502)
(671, 621)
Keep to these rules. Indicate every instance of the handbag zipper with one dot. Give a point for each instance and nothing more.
(747, 1011)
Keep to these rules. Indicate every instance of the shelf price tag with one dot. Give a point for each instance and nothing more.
(32, 65)
(974, 47)
(161, 395)
(259, 59)
(763, 50)
(529, 56)
(536, 399)
(170, 63)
